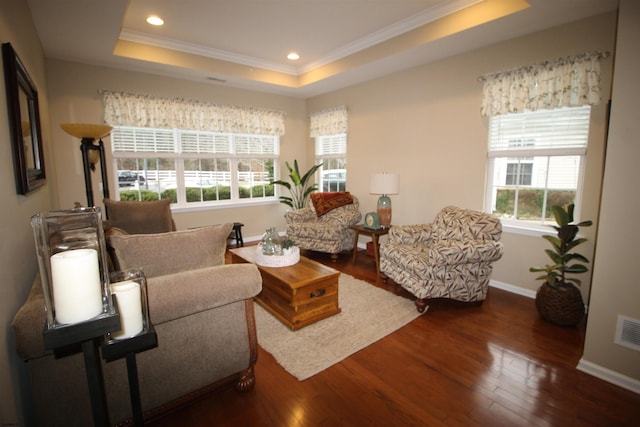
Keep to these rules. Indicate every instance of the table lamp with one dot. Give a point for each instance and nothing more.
(385, 184)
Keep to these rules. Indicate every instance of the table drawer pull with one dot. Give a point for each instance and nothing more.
(319, 293)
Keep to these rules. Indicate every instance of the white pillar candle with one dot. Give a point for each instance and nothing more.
(129, 300)
(77, 291)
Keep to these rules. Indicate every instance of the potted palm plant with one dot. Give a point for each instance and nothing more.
(559, 300)
(300, 186)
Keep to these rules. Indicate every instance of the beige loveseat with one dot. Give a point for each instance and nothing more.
(202, 311)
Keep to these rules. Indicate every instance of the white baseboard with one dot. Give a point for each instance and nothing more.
(513, 289)
(609, 376)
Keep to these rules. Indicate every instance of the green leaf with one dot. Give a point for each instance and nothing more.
(555, 242)
(555, 257)
(300, 186)
(567, 233)
(283, 183)
(576, 268)
(574, 243)
(561, 216)
(570, 209)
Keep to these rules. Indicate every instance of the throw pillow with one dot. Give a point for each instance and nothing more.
(326, 202)
(140, 217)
(172, 252)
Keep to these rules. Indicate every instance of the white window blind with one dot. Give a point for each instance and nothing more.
(560, 132)
(333, 144)
(140, 140)
(205, 143)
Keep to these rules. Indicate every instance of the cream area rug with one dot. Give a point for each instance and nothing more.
(368, 314)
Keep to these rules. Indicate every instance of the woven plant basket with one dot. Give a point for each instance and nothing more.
(562, 306)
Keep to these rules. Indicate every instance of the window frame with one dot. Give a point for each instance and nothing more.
(526, 154)
(180, 156)
(336, 156)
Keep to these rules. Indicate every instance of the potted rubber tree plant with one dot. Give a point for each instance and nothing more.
(559, 300)
(300, 187)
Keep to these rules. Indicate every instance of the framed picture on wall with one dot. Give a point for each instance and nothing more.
(24, 123)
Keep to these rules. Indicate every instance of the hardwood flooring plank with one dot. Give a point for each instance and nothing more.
(495, 364)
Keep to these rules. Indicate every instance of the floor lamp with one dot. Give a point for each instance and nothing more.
(92, 153)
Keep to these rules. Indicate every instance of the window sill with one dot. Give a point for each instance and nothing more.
(526, 229)
(198, 207)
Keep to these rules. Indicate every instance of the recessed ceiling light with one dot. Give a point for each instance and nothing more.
(293, 56)
(155, 20)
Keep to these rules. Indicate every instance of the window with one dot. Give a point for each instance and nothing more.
(332, 152)
(194, 168)
(536, 160)
(329, 128)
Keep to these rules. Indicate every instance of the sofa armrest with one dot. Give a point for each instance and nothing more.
(177, 295)
(410, 234)
(28, 324)
(453, 252)
(342, 217)
(300, 215)
(170, 297)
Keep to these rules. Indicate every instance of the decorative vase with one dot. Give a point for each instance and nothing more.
(270, 243)
(560, 306)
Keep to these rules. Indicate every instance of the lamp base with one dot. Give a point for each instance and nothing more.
(384, 211)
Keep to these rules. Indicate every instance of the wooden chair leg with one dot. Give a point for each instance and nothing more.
(247, 380)
(334, 257)
(421, 304)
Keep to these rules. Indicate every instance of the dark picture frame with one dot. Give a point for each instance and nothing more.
(24, 123)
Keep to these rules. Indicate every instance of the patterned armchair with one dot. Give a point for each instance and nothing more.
(324, 231)
(449, 258)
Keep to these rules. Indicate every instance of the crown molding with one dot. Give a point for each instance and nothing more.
(195, 49)
(411, 23)
(426, 16)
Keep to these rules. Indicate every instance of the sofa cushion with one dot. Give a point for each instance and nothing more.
(172, 252)
(140, 217)
(327, 201)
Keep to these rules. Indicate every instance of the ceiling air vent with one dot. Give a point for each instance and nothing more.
(628, 332)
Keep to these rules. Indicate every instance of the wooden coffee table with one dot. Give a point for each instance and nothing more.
(297, 295)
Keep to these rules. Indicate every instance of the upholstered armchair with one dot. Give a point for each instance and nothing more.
(324, 226)
(449, 258)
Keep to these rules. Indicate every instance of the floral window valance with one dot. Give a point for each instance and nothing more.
(567, 82)
(329, 122)
(125, 109)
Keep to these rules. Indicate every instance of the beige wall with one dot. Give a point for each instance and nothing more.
(616, 290)
(74, 97)
(17, 255)
(425, 124)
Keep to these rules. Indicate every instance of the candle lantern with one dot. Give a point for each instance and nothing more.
(72, 258)
(130, 290)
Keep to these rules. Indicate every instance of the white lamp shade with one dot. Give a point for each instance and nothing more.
(384, 183)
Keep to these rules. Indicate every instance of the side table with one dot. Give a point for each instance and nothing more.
(374, 234)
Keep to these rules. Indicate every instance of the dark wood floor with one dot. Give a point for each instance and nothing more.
(458, 365)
